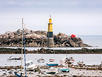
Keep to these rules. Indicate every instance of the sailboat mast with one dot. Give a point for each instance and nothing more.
(22, 49)
(23, 39)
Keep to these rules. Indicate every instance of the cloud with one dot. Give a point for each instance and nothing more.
(60, 4)
(69, 16)
(77, 23)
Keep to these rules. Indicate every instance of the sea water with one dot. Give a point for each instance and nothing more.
(89, 59)
(93, 40)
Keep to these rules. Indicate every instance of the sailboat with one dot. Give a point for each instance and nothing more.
(23, 51)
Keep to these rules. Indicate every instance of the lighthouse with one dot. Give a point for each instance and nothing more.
(50, 33)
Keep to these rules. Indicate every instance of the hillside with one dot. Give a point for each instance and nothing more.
(38, 39)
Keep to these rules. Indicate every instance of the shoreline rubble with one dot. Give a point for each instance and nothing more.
(74, 72)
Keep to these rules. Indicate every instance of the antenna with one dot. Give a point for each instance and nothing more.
(50, 15)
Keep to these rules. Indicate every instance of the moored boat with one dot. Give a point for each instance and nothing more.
(63, 70)
(52, 70)
(52, 64)
(14, 58)
(30, 65)
(41, 60)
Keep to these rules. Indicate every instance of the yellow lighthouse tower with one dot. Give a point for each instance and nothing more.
(50, 33)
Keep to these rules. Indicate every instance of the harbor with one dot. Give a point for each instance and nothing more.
(54, 56)
(92, 65)
(50, 38)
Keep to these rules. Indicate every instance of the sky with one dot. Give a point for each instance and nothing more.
(80, 17)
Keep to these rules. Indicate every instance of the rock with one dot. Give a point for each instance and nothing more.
(38, 39)
(62, 35)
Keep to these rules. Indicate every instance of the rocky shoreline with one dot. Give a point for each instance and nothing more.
(38, 39)
(73, 73)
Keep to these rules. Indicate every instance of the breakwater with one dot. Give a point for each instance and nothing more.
(39, 39)
(51, 51)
